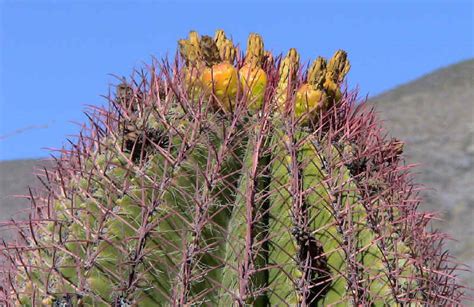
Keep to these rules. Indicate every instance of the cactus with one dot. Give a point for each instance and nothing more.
(229, 179)
(253, 78)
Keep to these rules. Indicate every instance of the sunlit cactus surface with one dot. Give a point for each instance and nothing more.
(229, 178)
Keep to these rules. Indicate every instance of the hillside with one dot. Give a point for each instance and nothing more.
(15, 178)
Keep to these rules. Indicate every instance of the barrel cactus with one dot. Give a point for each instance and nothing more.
(228, 178)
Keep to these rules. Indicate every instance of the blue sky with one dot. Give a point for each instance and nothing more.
(57, 56)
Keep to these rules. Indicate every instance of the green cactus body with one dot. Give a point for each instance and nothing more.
(283, 247)
(322, 221)
(171, 199)
(235, 248)
(251, 205)
(330, 231)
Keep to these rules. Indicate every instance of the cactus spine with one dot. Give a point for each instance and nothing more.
(229, 179)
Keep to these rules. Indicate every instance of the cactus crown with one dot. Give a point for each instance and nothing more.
(219, 183)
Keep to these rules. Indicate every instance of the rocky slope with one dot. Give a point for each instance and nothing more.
(15, 178)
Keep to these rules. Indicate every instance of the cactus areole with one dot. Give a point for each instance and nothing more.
(226, 178)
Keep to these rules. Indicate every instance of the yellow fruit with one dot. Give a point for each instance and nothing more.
(308, 101)
(253, 81)
(222, 80)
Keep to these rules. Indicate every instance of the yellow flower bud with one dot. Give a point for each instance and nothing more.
(337, 69)
(338, 66)
(194, 39)
(253, 80)
(288, 71)
(220, 38)
(317, 72)
(255, 50)
(190, 49)
(289, 66)
(268, 57)
(227, 51)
